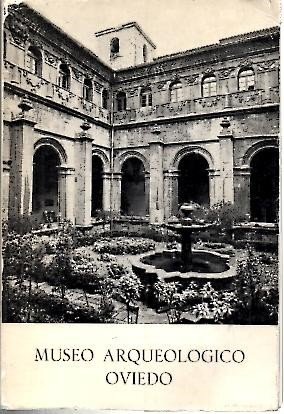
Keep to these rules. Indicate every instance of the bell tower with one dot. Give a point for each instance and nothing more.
(125, 46)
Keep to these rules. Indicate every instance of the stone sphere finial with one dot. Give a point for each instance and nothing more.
(156, 130)
(85, 126)
(25, 104)
(225, 123)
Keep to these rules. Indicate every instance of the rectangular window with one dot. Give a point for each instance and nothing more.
(213, 88)
(144, 100)
(206, 91)
(32, 64)
(242, 84)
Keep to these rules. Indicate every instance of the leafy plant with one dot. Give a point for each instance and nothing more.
(129, 287)
(256, 286)
(225, 214)
(123, 245)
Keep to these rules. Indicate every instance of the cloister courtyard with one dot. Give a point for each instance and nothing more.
(60, 273)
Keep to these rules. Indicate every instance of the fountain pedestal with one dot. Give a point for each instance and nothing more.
(186, 249)
(188, 263)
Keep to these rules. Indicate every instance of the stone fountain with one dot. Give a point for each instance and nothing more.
(187, 263)
(186, 228)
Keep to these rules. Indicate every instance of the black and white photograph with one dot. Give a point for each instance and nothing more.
(140, 156)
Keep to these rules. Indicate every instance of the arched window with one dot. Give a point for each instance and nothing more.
(64, 76)
(209, 86)
(121, 101)
(34, 61)
(105, 98)
(176, 92)
(114, 46)
(146, 97)
(88, 90)
(246, 80)
(145, 53)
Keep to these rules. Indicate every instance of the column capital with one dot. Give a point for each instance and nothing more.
(212, 172)
(147, 175)
(226, 136)
(6, 165)
(65, 170)
(171, 173)
(106, 175)
(83, 136)
(242, 170)
(157, 141)
(117, 175)
(23, 118)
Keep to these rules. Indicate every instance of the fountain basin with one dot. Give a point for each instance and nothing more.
(168, 266)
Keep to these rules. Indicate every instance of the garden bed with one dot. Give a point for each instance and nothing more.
(48, 271)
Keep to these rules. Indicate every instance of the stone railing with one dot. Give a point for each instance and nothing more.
(42, 87)
(45, 89)
(199, 105)
(246, 98)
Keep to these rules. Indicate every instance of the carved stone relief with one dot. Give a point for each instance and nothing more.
(50, 59)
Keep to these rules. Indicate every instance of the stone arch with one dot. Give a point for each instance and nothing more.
(193, 179)
(104, 158)
(55, 145)
(46, 182)
(264, 182)
(131, 154)
(133, 187)
(192, 150)
(255, 148)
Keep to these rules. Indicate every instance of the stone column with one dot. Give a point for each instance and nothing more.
(21, 173)
(66, 192)
(171, 193)
(106, 191)
(84, 176)
(116, 192)
(215, 186)
(228, 99)
(265, 82)
(156, 180)
(5, 188)
(242, 188)
(147, 193)
(227, 161)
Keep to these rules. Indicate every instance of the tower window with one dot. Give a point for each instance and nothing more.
(105, 98)
(4, 46)
(246, 80)
(34, 61)
(145, 54)
(64, 76)
(88, 90)
(176, 92)
(146, 97)
(114, 46)
(209, 86)
(121, 101)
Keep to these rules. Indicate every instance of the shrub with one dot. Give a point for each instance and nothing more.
(18, 255)
(225, 214)
(121, 245)
(23, 224)
(164, 292)
(43, 307)
(256, 286)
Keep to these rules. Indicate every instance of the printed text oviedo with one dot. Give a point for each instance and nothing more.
(138, 358)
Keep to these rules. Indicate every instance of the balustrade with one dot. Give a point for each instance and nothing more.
(30, 82)
(42, 87)
(199, 105)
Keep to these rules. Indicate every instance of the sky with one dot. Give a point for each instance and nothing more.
(173, 25)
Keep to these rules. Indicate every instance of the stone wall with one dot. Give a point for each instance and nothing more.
(226, 129)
